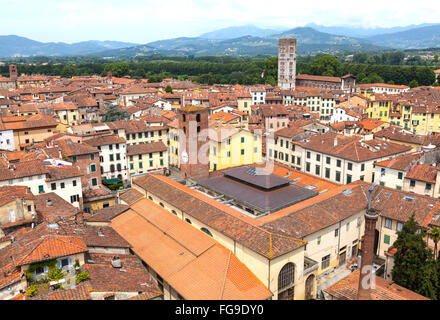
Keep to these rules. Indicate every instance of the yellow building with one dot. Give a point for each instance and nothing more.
(231, 147)
(30, 129)
(147, 157)
(379, 108)
(244, 102)
(67, 112)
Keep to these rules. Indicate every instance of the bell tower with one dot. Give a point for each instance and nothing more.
(13, 74)
(192, 121)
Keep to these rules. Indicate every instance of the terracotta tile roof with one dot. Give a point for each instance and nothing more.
(347, 288)
(106, 214)
(317, 78)
(222, 218)
(13, 193)
(274, 110)
(131, 277)
(371, 124)
(194, 264)
(352, 148)
(52, 207)
(145, 148)
(423, 172)
(80, 292)
(288, 132)
(131, 196)
(223, 117)
(403, 162)
(104, 140)
(70, 148)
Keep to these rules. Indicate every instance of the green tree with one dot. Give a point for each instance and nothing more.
(434, 234)
(414, 264)
(326, 66)
(413, 84)
(114, 114)
(168, 89)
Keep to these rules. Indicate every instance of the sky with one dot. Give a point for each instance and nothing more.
(142, 21)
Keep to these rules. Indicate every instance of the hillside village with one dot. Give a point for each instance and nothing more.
(101, 197)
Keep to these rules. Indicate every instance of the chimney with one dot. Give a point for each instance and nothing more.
(367, 275)
(79, 217)
(335, 142)
(116, 262)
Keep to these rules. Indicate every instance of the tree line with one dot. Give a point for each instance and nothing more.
(232, 70)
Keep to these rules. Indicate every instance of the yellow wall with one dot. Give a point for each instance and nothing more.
(134, 163)
(221, 160)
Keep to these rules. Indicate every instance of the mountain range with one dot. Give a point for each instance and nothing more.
(243, 40)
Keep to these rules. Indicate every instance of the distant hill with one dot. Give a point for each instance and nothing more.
(309, 41)
(415, 38)
(12, 45)
(361, 32)
(237, 32)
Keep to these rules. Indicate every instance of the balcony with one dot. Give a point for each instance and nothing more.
(310, 265)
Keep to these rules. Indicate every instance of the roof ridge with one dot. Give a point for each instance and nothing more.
(225, 275)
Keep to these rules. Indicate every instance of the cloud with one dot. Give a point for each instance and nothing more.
(142, 21)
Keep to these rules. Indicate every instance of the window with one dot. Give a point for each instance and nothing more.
(286, 277)
(347, 226)
(319, 240)
(388, 223)
(92, 156)
(318, 157)
(93, 167)
(74, 183)
(350, 166)
(62, 185)
(336, 232)
(325, 262)
(428, 186)
(308, 166)
(255, 149)
(131, 166)
(399, 226)
(53, 186)
(362, 166)
(111, 158)
(308, 154)
(338, 163)
(386, 239)
(349, 178)
(206, 231)
(338, 176)
(242, 151)
(187, 220)
(242, 139)
(118, 156)
(400, 175)
(151, 163)
(327, 160)
(412, 183)
(327, 173)
(317, 170)
(74, 158)
(94, 182)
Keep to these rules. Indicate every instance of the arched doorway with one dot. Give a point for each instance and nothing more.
(310, 286)
(286, 281)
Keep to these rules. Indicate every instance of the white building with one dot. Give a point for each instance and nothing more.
(7, 140)
(340, 115)
(113, 156)
(44, 176)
